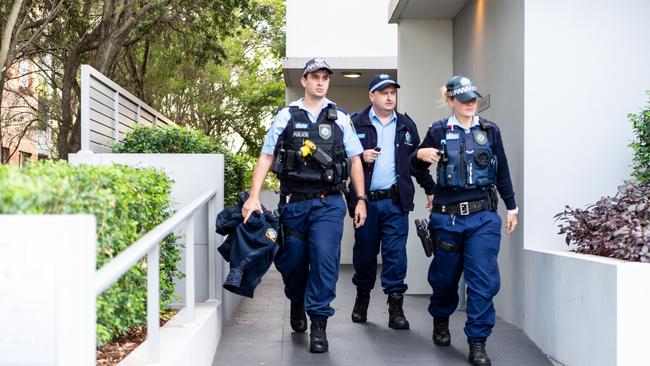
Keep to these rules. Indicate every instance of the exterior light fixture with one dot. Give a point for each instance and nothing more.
(352, 74)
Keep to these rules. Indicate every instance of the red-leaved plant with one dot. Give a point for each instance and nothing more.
(616, 227)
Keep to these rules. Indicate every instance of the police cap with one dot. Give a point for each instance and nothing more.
(381, 81)
(314, 64)
(462, 88)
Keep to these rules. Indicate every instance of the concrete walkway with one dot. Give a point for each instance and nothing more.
(259, 334)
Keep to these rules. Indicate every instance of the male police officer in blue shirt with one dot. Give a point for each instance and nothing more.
(313, 149)
(388, 139)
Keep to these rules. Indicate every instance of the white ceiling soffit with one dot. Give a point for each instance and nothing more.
(423, 9)
(368, 66)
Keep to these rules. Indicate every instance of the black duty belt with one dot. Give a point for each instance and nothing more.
(463, 208)
(296, 197)
(383, 194)
(380, 195)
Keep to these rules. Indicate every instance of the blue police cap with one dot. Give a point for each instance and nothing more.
(462, 88)
(381, 81)
(314, 64)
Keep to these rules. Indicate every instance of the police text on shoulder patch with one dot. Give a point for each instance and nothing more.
(271, 234)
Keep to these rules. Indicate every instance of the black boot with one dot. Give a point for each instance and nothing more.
(477, 355)
(297, 318)
(441, 336)
(318, 337)
(360, 310)
(396, 318)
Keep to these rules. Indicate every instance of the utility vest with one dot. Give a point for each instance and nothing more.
(468, 161)
(305, 174)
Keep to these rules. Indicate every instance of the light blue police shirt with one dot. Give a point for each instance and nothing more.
(453, 121)
(384, 174)
(350, 140)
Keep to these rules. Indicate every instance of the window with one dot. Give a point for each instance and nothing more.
(24, 159)
(5, 154)
(43, 157)
(24, 73)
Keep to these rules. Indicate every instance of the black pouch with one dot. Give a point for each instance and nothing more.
(394, 193)
(494, 198)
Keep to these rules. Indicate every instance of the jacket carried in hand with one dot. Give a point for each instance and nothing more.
(250, 247)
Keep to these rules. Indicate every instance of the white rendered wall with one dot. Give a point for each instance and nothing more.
(489, 49)
(586, 68)
(424, 64)
(47, 290)
(339, 28)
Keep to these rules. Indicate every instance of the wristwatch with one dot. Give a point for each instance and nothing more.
(362, 198)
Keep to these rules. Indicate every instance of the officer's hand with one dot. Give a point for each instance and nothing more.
(251, 205)
(370, 155)
(429, 204)
(511, 223)
(360, 214)
(429, 155)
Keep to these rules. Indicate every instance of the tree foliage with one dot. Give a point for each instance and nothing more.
(228, 93)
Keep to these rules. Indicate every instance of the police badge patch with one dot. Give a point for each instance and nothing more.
(325, 131)
(407, 139)
(480, 137)
(271, 234)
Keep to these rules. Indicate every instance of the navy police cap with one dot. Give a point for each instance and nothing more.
(381, 81)
(314, 64)
(462, 88)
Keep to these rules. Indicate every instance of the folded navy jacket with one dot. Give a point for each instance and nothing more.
(249, 247)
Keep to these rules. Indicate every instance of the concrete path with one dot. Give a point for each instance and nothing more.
(259, 334)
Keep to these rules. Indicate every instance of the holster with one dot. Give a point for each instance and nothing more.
(422, 228)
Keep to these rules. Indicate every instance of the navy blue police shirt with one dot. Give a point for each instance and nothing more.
(446, 196)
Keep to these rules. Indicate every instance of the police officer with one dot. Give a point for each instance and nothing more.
(471, 164)
(313, 149)
(388, 139)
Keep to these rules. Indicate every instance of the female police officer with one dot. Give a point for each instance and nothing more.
(464, 223)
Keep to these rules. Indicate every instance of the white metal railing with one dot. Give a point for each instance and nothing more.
(109, 111)
(149, 245)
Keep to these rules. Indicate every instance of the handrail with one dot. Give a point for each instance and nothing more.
(112, 271)
(149, 245)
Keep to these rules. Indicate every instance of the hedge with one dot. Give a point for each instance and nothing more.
(127, 203)
(182, 140)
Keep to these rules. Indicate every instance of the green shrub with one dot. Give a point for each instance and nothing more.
(127, 203)
(185, 141)
(641, 144)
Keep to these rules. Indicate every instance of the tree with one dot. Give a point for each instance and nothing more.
(97, 32)
(227, 93)
(22, 23)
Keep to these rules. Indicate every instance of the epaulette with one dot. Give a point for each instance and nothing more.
(281, 108)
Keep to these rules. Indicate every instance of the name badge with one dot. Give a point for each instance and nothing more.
(361, 135)
(452, 136)
(301, 125)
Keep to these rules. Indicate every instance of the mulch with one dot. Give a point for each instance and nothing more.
(112, 353)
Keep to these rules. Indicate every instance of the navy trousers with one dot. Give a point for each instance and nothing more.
(478, 235)
(386, 227)
(310, 268)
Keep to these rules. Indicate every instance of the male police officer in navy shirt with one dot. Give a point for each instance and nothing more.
(313, 149)
(388, 139)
